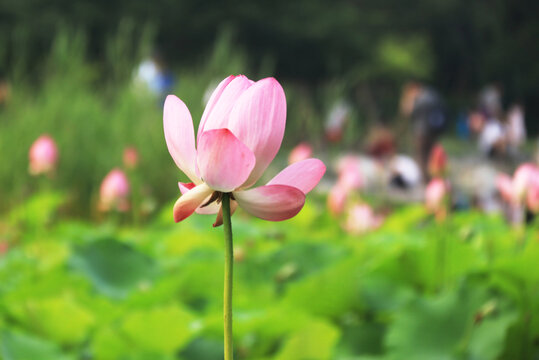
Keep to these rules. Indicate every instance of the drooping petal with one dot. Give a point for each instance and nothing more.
(224, 162)
(221, 102)
(180, 136)
(258, 120)
(190, 201)
(185, 187)
(303, 175)
(271, 202)
(209, 209)
(219, 219)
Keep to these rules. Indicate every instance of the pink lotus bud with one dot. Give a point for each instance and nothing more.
(436, 194)
(114, 192)
(532, 197)
(130, 157)
(43, 155)
(349, 171)
(504, 184)
(337, 200)
(361, 219)
(437, 161)
(301, 152)
(523, 177)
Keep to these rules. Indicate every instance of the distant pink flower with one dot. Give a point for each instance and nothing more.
(504, 184)
(532, 196)
(349, 178)
(240, 133)
(361, 219)
(349, 173)
(437, 161)
(436, 195)
(301, 152)
(114, 192)
(130, 157)
(43, 155)
(337, 199)
(524, 176)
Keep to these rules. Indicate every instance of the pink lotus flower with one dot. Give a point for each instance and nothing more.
(504, 184)
(301, 152)
(349, 179)
(525, 175)
(114, 192)
(436, 195)
(130, 157)
(349, 173)
(43, 155)
(522, 188)
(437, 161)
(337, 199)
(361, 219)
(239, 134)
(532, 197)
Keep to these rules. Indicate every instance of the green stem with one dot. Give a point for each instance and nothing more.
(229, 264)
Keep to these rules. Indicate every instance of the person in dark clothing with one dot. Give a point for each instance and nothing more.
(428, 121)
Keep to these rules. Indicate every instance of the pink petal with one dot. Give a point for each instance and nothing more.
(188, 203)
(221, 102)
(303, 175)
(224, 162)
(219, 219)
(180, 135)
(258, 120)
(271, 202)
(185, 187)
(504, 184)
(209, 209)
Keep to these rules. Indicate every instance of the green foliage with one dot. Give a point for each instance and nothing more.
(113, 267)
(462, 289)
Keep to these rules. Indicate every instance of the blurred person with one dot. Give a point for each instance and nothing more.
(338, 117)
(380, 142)
(462, 127)
(114, 192)
(43, 156)
(515, 129)
(153, 74)
(476, 121)
(490, 101)
(425, 108)
(404, 172)
(409, 95)
(492, 139)
(302, 151)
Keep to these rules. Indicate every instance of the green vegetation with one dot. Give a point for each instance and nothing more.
(462, 289)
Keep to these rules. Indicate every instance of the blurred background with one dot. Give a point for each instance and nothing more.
(419, 243)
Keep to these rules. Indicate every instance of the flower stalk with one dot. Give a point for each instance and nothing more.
(229, 275)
